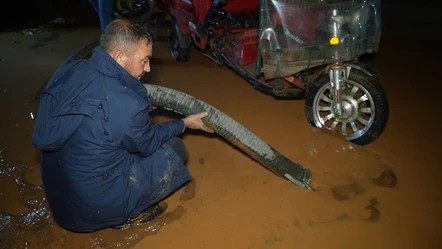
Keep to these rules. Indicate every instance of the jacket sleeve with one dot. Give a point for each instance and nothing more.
(144, 138)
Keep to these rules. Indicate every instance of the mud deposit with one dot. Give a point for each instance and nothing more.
(260, 197)
(384, 195)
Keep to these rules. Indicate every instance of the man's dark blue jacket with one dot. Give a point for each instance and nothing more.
(102, 159)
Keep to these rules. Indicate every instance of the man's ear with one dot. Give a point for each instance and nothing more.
(119, 57)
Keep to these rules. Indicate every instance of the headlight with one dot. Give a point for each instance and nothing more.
(334, 40)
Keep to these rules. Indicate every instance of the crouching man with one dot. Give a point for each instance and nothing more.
(103, 162)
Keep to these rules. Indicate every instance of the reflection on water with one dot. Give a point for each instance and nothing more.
(15, 227)
(346, 173)
(37, 229)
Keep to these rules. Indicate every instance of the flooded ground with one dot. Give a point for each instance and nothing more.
(384, 195)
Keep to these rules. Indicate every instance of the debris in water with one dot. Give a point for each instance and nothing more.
(36, 46)
(374, 212)
(39, 29)
(4, 150)
(188, 191)
(387, 179)
(57, 20)
(28, 32)
(36, 219)
(44, 27)
(2, 60)
(32, 115)
(346, 192)
(5, 220)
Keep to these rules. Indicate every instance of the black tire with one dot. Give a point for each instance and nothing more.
(377, 117)
(179, 44)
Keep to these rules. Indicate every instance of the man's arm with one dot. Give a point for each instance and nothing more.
(144, 138)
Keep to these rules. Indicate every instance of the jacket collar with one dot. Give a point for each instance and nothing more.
(108, 66)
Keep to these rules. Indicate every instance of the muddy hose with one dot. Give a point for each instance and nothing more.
(222, 124)
(231, 130)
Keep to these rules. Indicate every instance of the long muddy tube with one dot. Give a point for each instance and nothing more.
(223, 125)
(231, 130)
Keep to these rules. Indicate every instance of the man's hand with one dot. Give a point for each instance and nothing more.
(194, 122)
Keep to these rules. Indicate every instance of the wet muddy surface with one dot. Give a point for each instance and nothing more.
(384, 195)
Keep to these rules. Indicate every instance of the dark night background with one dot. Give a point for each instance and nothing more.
(24, 14)
(21, 14)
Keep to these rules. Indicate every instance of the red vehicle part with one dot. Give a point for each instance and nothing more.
(243, 47)
(289, 45)
(240, 32)
(190, 13)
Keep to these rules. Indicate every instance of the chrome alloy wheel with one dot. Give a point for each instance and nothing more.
(358, 110)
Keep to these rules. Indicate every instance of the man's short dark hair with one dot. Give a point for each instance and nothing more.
(124, 35)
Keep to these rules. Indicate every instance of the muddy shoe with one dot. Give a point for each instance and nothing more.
(123, 226)
(152, 213)
(149, 214)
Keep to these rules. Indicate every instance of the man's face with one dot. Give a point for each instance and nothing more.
(139, 63)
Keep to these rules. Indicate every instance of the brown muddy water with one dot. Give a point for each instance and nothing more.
(384, 195)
